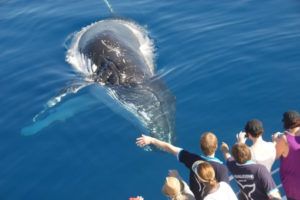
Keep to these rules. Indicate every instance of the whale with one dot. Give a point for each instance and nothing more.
(117, 58)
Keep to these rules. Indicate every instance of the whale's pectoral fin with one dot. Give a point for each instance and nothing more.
(55, 110)
(72, 89)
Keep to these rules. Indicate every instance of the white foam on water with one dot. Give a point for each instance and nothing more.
(146, 44)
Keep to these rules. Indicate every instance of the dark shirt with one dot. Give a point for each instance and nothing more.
(188, 159)
(254, 180)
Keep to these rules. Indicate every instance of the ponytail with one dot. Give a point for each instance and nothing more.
(212, 183)
(206, 174)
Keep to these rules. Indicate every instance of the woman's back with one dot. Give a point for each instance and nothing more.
(289, 166)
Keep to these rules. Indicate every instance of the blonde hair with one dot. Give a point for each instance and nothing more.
(206, 174)
(173, 189)
(208, 143)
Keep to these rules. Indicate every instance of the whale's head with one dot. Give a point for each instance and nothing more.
(111, 54)
(115, 62)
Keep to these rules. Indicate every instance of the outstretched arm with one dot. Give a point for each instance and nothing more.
(146, 140)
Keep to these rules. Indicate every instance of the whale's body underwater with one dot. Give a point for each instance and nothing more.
(118, 57)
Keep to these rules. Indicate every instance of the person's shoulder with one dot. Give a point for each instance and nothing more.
(218, 165)
(282, 137)
(259, 169)
(188, 158)
(185, 152)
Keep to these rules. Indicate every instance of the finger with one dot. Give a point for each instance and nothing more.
(140, 143)
(140, 139)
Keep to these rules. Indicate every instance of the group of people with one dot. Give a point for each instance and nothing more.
(249, 166)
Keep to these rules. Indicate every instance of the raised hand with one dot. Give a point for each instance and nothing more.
(241, 137)
(224, 147)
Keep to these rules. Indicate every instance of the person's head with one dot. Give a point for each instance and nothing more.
(241, 153)
(172, 187)
(206, 174)
(291, 119)
(254, 128)
(208, 143)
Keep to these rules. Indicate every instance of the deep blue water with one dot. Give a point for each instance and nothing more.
(228, 62)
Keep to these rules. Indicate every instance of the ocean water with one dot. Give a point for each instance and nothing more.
(226, 62)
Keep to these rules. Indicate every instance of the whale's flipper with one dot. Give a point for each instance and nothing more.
(61, 112)
(57, 110)
(72, 89)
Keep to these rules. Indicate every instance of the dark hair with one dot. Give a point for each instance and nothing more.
(241, 153)
(254, 127)
(291, 119)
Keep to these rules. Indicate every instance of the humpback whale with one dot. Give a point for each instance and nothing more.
(116, 56)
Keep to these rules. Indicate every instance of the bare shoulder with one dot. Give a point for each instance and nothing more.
(281, 138)
(282, 147)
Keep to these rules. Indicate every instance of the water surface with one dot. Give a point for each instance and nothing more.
(226, 62)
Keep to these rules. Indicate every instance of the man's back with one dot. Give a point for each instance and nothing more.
(264, 153)
(254, 180)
